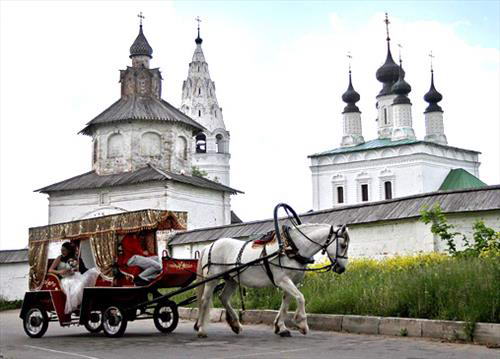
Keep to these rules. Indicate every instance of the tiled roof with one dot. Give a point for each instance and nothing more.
(150, 173)
(146, 108)
(14, 256)
(471, 200)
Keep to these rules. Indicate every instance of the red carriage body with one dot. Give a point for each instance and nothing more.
(114, 288)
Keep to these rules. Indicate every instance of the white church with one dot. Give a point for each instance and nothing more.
(149, 154)
(395, 163)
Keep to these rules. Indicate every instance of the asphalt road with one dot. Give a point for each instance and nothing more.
(143, 341)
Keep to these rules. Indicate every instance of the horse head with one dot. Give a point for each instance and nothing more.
(338, 247)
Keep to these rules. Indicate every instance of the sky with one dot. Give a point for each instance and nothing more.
(280, 69)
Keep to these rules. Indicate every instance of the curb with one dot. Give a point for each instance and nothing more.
(484, 333)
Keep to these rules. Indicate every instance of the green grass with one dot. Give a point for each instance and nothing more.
(9, 304)
(427, 286)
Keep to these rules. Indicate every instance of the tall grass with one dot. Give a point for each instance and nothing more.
(432, 286)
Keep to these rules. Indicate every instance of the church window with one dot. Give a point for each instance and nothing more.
(340, 194)
(199, 113)
(150, 144)
(201, 143)
(199, 91)
(364, 192)
(115, 144)
(385, 116)
(220, 143)
(388, 189)
(181, 148)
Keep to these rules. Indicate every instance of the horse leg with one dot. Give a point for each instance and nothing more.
(279, 323)
(231, 315)
(300, 315)
(204, 309)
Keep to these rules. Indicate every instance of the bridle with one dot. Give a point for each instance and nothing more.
(333, 237)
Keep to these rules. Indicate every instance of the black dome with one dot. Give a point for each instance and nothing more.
(433, 97)
(198, 40)
(141, 47)
(350, 97)
(388, 73)
(401, 88)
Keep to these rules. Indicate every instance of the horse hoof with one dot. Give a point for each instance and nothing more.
(196, 327)
(202, 335)
(236, 330)
(285, 334)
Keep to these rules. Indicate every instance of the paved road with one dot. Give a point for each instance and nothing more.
(142, 341)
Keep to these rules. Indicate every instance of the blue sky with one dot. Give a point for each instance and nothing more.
(477, 21)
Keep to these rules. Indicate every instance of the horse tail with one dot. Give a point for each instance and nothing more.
(200, 288)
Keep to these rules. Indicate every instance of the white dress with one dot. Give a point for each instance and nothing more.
(72, 285)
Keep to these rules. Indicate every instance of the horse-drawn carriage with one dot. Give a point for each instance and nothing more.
(280, 260)
(115, 299)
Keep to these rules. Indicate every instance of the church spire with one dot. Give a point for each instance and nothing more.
(351, 116)
(401, 107)
(200, 103)
(198, 39)
(434, 127)
(140, 51)
(432, 97)
(388, 73)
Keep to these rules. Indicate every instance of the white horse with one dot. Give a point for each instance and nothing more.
(286, 270)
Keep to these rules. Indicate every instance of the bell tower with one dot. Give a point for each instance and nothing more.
(211, 152)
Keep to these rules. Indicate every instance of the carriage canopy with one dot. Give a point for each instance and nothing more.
(102, 234)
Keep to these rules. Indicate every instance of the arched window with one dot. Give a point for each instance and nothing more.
(181, 148)
(340, 194)
(150, 144)
(199, 113)
(201, 143)
(115, 144)
(388, 189)
(385, 116)
(219, 140)
(199, 91)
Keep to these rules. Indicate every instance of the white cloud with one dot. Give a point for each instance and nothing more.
(281, 101)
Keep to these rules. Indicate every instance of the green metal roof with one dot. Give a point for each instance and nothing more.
(377, 143)
(381, 143)
(459, 178)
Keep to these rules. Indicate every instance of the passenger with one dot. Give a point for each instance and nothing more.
(135, 255)
(73, 281)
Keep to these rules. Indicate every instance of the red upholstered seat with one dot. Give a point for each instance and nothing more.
(265, 239)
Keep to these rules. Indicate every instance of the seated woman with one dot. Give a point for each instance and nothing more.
(73, 281)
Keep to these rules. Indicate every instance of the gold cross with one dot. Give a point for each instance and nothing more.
(141, 17)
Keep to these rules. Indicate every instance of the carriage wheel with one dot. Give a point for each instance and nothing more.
(166, 317)
(114, 322)
(36, 322)
(94, 322)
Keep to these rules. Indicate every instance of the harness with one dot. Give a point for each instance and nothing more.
(286, 247)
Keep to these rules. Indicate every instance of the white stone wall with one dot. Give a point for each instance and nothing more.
(127, 147)
(205, 207)
(412, 169)
(411, 236)
(13, 280)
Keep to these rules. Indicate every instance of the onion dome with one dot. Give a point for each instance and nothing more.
(433, 97)
(388, 73)
(198, 39)
(141, 47)
(350, 97)
(401, 88)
